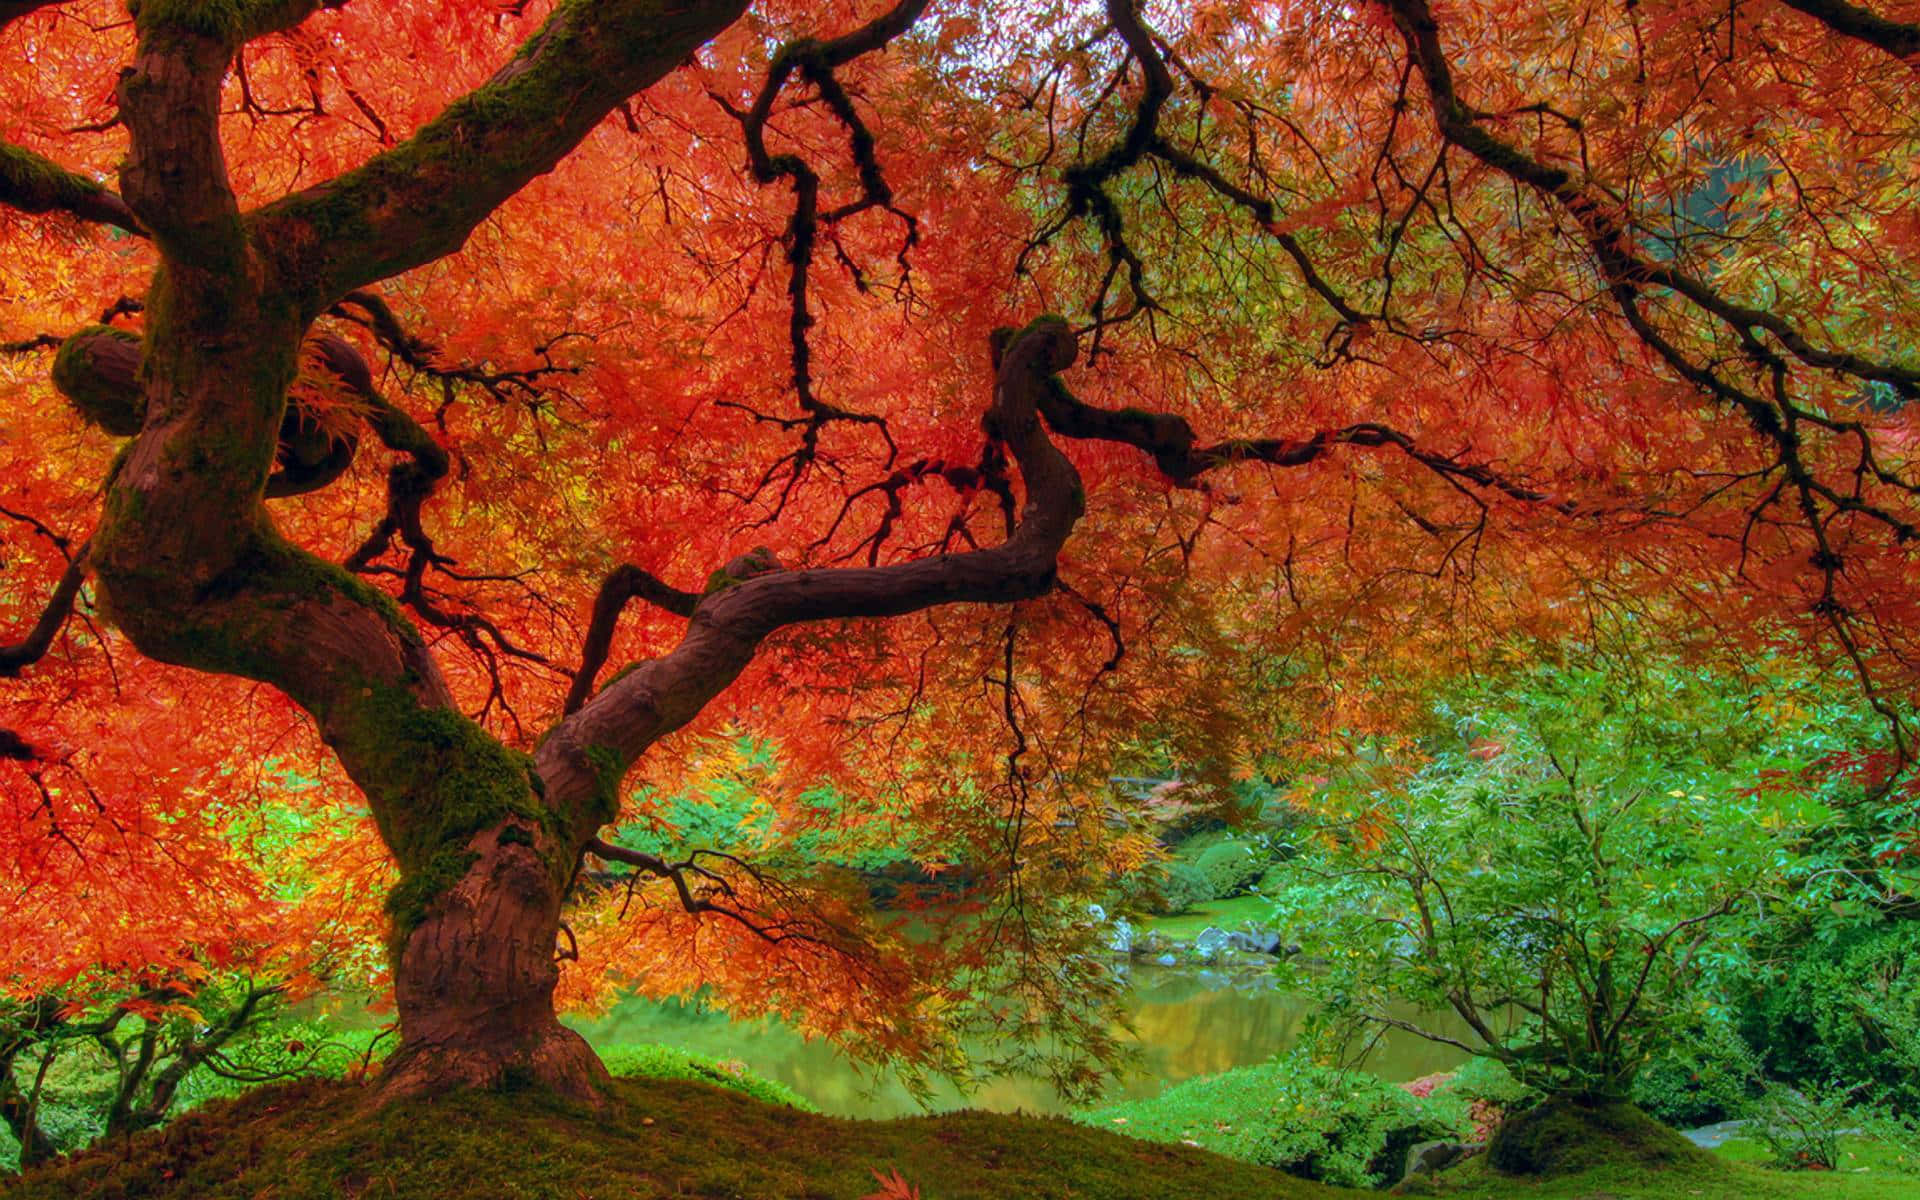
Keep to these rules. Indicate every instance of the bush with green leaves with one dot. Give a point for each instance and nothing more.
(1161, 889)
(1573, 870)
(1707, 1077)
(1230, 867)
(1800, 1129)
(1483, 1080)
(72, 1073)
(1340, 1127)
(1847, 1015)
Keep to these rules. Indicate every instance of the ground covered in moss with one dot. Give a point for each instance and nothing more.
(677, 1138)
(659, 1138)
(1565, 1151)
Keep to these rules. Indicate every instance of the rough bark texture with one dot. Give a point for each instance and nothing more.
(191, 567)
(475, 981)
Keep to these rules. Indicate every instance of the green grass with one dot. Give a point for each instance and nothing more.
(1226, 914)
(1855, 1154)
(1709, 1178)
(650, 1060)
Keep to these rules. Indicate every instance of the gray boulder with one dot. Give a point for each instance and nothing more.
(1210, 943)
(1427, 1158)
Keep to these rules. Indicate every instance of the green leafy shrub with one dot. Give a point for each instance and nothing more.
(1229, 867)
(1710, 1077)
(1847, 1015)
(651, 1061)
(1800, 1130)
(1341, 1127)
(1572, 860)
(1486, 1080)
(1162, 889)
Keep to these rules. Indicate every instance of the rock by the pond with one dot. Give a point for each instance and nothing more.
(1167, 960)
(1426, 1158)
(1149, 943)
(1210, 943)
(1120, 939)
(1254, 940)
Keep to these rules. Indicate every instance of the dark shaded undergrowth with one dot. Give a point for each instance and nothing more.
(658, 1138)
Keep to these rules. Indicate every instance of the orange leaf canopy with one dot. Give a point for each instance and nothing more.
(1406, 334)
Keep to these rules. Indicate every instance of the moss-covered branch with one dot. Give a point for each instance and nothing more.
(175, 174)
(34, 184)
(420, 200)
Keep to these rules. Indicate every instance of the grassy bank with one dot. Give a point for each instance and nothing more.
(673, 1138)
(1706, 1178)
(1222, 914)
(658, 1138)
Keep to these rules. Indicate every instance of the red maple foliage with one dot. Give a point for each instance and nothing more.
(708, 338)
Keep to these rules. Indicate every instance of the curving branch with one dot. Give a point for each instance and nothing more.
(23, 654)
(34, 184)
(1896, 38)
(370, 311)
(1780, 420)
(624, 583)
(815, 62)
(1088, 197)
(702, 890)
(592, 749)
(1626, 269)
(419, 201)
(1171, 441)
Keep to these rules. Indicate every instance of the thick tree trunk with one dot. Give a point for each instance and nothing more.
(474, 980)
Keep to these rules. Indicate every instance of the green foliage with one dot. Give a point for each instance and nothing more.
(1847, 1014)
(1484, 1079)
(729, 814)
(1343, 1127)
(1163, 889)
(1583, 859)
(1215, 865)
(1800, 1129)
(108, 1060)
(1703, 1078)
(649, 1061)
(1229, 867)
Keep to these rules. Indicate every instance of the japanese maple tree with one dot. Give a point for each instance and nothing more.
(403, 365)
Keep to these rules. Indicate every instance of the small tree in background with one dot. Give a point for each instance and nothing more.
(1561, 884)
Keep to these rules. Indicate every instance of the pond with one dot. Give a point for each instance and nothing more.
(1187, 1022)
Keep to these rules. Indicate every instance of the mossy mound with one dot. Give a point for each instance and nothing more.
(656, 1138)
(1566, 1137)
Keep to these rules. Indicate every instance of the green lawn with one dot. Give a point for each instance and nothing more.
(1226, 914)
(1715, 1179)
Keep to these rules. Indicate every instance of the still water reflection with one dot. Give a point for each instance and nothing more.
(1186, 1023)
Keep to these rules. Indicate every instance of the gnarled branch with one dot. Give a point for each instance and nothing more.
(594, 746)
(419, 201)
